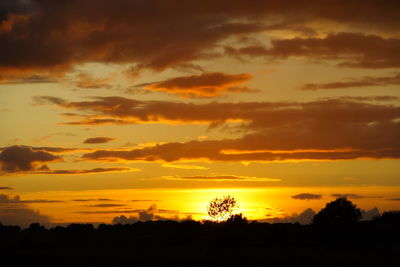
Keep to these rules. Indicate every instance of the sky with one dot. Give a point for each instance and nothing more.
(127, 110)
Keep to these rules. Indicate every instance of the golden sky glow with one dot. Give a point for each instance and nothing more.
(156, 107)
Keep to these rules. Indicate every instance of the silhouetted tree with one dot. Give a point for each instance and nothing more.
(389, 217)
(220, 209)
(340, 211)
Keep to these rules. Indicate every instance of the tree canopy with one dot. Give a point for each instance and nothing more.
(220, 209)
(339, 211)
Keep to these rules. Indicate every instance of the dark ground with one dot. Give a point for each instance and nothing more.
(168, 243)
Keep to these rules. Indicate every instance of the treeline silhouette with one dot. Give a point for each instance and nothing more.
(236, 242)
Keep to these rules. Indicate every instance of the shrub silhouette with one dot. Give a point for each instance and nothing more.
(341, 211)
(220, 209)
(237, 219)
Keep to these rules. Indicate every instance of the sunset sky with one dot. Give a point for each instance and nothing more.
(151, 108)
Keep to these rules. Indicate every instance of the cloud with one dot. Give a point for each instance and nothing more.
(304, 217)
(89, 171)
(222, 178)
(395, 199)
(59, 150)
(145, 200)
(355, 50)
(184, 166)
(307, 196)
(56, 150)
(87, 81)
(105, 205)
(280, 131)
(34, 78)
(209, 84)
(98, 140)
(369, 214)
(92, 199)
(150, 214)
(23, 158)
(355, 196)
(361, 82)
(46, 137)
(329, 129)
(122, 219)
(134, 32)
(5, 188)
(46, 38)
(14, 211)
(16, 199)
(120, 211)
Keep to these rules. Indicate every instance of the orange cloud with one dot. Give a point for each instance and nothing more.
(342, 128)
(209, 84)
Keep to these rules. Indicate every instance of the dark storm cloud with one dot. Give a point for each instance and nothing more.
(54, 36)
(307, 196)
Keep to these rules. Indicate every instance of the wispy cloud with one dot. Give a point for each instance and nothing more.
(355, 196)
(355, 82)
(184, 166)
(220, 178)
